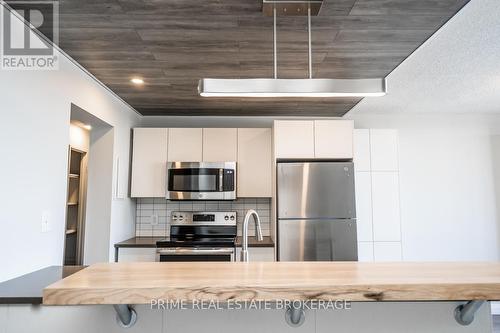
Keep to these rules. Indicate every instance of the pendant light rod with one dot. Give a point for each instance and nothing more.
(288, 88)
(275, 49)
(309, 33)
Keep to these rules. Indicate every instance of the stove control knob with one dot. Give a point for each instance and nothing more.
(226, 217)
(232, 217)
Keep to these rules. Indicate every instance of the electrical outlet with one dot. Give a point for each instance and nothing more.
(46, 227)
(154, 219)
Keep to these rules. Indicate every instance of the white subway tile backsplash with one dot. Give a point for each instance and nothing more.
(186, 206)
(212, 206)
(145, 206)
(163, 208)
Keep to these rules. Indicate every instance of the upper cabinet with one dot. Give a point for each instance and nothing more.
(294, 138)
(333, 139)
(220, 144)
(251, 148)
(314, 139)
(254, 162)
(384, 150)
(185, 144)
(149, 159)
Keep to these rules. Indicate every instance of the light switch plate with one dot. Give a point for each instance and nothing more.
(46, 227)
(153, 220)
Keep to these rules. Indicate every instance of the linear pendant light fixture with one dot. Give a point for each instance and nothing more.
(274, 87)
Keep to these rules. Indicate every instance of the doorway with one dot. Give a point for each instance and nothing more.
(90, 189)
(75, 206)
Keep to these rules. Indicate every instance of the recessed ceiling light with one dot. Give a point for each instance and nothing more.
(137, 80)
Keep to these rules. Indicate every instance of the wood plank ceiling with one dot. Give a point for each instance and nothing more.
(173, 43)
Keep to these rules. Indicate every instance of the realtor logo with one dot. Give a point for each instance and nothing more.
(21, 47)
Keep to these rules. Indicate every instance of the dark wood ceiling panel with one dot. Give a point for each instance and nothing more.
(174, 43)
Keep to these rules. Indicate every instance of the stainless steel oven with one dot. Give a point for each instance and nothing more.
(201, 180)
(199, 236)
(195, 254)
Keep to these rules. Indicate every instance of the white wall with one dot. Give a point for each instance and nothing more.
(34, 138)
(79, 138)
(449, 184)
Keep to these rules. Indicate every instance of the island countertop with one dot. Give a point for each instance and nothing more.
(141, 282)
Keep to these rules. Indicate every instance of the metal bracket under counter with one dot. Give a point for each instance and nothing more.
(126, 316)
(464, 314)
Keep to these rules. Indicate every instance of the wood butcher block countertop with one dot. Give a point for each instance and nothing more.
(139, 283)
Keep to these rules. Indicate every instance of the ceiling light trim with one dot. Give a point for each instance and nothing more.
(292, 87)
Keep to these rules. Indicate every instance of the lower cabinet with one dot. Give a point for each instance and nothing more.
(136, 254)
(257, 254)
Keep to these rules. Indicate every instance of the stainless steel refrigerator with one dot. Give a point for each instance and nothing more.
(316, 211)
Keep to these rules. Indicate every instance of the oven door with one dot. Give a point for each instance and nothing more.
(201, 181)
(195, 254)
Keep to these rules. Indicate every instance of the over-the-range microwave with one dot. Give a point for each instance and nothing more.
(201, 180)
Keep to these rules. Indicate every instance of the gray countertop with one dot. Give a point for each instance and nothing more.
(139, 242)
(28, 288)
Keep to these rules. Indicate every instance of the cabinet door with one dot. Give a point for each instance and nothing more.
(185, 144)
(254, 169)
(294, 138)
(257, 254)
(333, 138)
(365, 251)
(149, 162)
(140, 254)
(384, 150)
(385, 206)
(220, 144)
(363, 192)
(387, 251)
(361, 150)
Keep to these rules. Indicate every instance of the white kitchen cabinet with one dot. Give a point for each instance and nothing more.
(361, 147)
(313, 139)
(137, 254)
(333, 139)
(365, 251)
(363, 190)
(257, 254)
(387, 251)
(385, 206)
(185, 144)
(254, 162)
(149, 159)
(220, 144)
(294, 138)
(384, 150)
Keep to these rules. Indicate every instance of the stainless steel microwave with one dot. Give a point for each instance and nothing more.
(201, 180)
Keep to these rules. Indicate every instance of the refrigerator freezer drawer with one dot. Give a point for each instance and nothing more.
(317, 240)
(316, 190)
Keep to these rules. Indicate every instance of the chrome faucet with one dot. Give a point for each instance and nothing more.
(258, 230)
